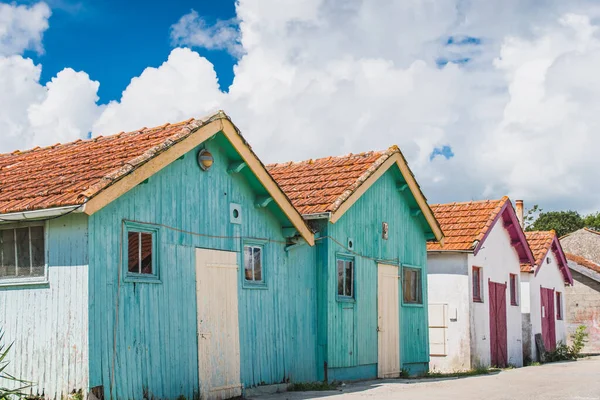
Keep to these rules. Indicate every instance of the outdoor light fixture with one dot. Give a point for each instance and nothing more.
(205, 159)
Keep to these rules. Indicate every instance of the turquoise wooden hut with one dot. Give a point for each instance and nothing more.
(373, 223)
(159, 263)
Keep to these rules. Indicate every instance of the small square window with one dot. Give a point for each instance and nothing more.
(513, 290)
(140, 249)
(412, 285)
(22, 254)
(477, 279)
(253, 271)
(140, 253)
(559, 315)
(345, 278)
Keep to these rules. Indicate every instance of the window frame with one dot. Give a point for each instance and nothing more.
(252, 284)
(515, 293)
(31, 280)
(479, 298)
(134, 277)
(420, 303)
(345, 258)
(559, 301)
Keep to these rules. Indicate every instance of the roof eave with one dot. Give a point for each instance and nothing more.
(44, 213)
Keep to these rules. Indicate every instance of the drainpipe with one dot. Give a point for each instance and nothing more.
(519, 209)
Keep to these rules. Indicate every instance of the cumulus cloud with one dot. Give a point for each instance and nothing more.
(184, 86)
(31, 113)
(508, 88)
(193, 30)
(22, 27)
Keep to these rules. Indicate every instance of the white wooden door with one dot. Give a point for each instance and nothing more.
(388, 328)
(218, 328)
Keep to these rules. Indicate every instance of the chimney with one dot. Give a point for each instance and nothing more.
(519, 209)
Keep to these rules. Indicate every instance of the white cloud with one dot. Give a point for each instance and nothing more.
(193, 30)
(184, 86)
(33, 114)
(22, 27)
(318, 77)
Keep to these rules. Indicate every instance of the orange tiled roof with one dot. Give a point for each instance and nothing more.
(583, 262)
(465, 223)
(68, 174)
(540, 243)
(322, 185)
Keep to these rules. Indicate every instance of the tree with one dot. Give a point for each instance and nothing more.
(530, 216)
(562, 222)
(592, 221)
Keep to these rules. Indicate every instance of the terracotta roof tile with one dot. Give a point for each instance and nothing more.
(583, 262)
(68, 174)
(540, 243)
(322, 185)
(465, 223)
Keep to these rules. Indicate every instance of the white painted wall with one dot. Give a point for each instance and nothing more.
(48, 323)
(448, 283)
(550, 277)
(497, 258)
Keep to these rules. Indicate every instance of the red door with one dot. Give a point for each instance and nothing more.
(498, 333)
(548, 321)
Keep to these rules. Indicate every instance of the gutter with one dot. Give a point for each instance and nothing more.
(41, 214)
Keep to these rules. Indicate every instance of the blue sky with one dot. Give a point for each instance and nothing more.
(114, 41)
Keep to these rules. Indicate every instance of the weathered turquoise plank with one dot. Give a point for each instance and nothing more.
(351, 334)
(156, 347)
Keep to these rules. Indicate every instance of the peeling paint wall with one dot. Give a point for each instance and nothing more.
(156, 349)
(352, 326)
(48, 323)
(583, 308)
(498, 259)
(448, 280)
(550, 277)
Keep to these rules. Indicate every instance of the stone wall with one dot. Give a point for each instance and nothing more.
(583, 308)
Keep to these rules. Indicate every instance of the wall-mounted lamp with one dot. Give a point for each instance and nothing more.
(205, 159)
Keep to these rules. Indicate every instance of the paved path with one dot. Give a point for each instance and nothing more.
(565, 381)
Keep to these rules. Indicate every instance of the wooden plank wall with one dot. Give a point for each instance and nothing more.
(156, 346)
(48, 323)
(352, 327)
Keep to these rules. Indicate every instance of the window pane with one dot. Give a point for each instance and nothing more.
(257, 264)
(23, 256)
(7, 253)
(133, 249)
(146, 253)
(412, 285)
(476, 284)
(340, 271)
(248, 258)
(38, 256)
(349, 278)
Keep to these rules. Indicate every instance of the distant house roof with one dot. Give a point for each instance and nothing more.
(466, 225)
(92, 173)
(333, 184)
(583, 242)
(583, 262)
(584, 266)
(541, 243)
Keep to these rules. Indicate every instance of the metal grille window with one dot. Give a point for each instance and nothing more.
(345, 276)
(253, 264)
(22, 253)
(139, 252)
(412, 286)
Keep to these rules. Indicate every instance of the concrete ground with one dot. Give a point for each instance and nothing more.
(569, 380)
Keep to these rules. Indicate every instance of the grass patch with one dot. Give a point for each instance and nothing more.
(312, 386)
(460, 374)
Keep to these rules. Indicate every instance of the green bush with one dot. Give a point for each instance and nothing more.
(564, 352)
